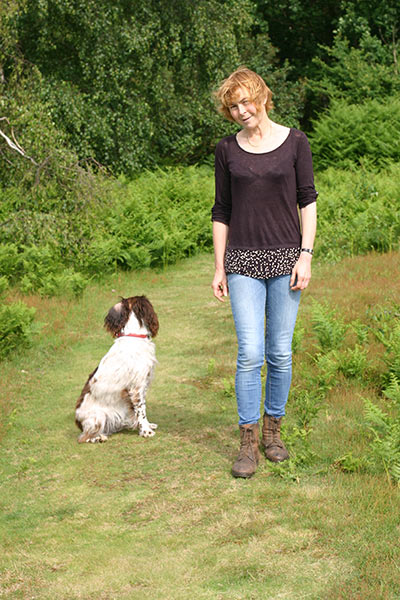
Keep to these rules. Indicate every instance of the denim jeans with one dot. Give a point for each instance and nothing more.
(264, 312)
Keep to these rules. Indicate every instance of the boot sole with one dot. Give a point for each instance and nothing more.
(241, 475)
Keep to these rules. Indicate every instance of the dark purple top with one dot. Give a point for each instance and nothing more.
(257, 194)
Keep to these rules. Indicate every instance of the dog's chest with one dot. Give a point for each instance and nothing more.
(128, 359)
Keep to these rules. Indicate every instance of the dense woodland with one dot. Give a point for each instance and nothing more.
(108, 126)
(129, 83)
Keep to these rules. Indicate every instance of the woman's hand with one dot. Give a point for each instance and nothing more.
(220, 285)
(301, 273)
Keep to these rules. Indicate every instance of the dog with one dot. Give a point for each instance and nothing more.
(114, 396)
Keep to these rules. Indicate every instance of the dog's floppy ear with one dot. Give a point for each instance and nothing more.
(145, 313)
(117, 317)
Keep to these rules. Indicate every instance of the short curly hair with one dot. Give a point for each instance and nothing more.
(249, 80)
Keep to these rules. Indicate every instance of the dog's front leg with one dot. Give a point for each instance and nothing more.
(146, 429)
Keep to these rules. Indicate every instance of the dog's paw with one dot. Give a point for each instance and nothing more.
(147, 431)
(97, 439)
(153, 425)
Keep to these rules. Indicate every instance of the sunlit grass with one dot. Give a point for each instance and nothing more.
(163, 518)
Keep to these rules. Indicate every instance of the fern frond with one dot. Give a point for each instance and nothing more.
(375, 417)
(392, 390)
(394, 470)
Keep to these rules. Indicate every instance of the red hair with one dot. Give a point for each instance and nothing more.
(258, 91)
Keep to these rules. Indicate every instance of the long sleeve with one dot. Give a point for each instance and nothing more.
(221, 211)
(306, 192)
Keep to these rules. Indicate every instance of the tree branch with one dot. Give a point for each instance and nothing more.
(14, 145)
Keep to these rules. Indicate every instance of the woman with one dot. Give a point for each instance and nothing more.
(263, 175)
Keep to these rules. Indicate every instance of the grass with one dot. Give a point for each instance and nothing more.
(163, 519)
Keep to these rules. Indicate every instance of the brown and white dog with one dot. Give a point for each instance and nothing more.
(114, 396)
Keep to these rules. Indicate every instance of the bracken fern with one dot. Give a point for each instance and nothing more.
(385, 428)
(330, 330)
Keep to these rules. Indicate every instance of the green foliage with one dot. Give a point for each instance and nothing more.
(329, 328)
(298, 30)
(298, 336)
(327, 366)
(8, 261)
(353, 362)
(305, 405)
(387, 331)
(377, 18)
(131, 84)
(3, 284)
(361, 330)
(351, 464)
(385, 428)
(16, 327)
(353, 74)
(358, 212)
(341, 138)
(157, 219)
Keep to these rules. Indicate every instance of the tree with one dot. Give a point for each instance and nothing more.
(131, 83)
(379, 18)
(298, 27)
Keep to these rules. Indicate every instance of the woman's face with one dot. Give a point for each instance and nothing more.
(244, 112)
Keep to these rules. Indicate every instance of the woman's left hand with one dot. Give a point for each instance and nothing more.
(301, 273)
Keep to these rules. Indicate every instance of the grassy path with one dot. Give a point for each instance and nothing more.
(162, 519)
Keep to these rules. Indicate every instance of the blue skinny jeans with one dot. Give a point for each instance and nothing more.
(264, 312)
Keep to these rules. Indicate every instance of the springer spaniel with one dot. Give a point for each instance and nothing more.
(114, 396)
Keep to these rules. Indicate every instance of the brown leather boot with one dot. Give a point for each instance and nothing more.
(274, 448)
(249, 454)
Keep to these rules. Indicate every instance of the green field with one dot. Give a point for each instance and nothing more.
(162, 518)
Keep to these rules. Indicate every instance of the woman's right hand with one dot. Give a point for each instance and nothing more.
(220, 285)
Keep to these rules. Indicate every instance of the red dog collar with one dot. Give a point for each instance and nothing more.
(137, 335)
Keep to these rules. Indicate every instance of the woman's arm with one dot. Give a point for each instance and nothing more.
(220, 237)
(301, 273)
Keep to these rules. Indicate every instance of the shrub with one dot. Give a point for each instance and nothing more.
(358, 211)
(161, 217)
(385, 428)
(15, 327)
(341, 137)
(352, 73)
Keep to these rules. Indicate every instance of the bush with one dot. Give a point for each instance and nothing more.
(52, 245)
(349, 134)
(354, 72)
(15, 327)
(358, 211)
(157, 219)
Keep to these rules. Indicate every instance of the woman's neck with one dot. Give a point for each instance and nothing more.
(258, 135)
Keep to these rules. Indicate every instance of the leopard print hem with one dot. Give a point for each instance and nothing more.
(261, 264)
